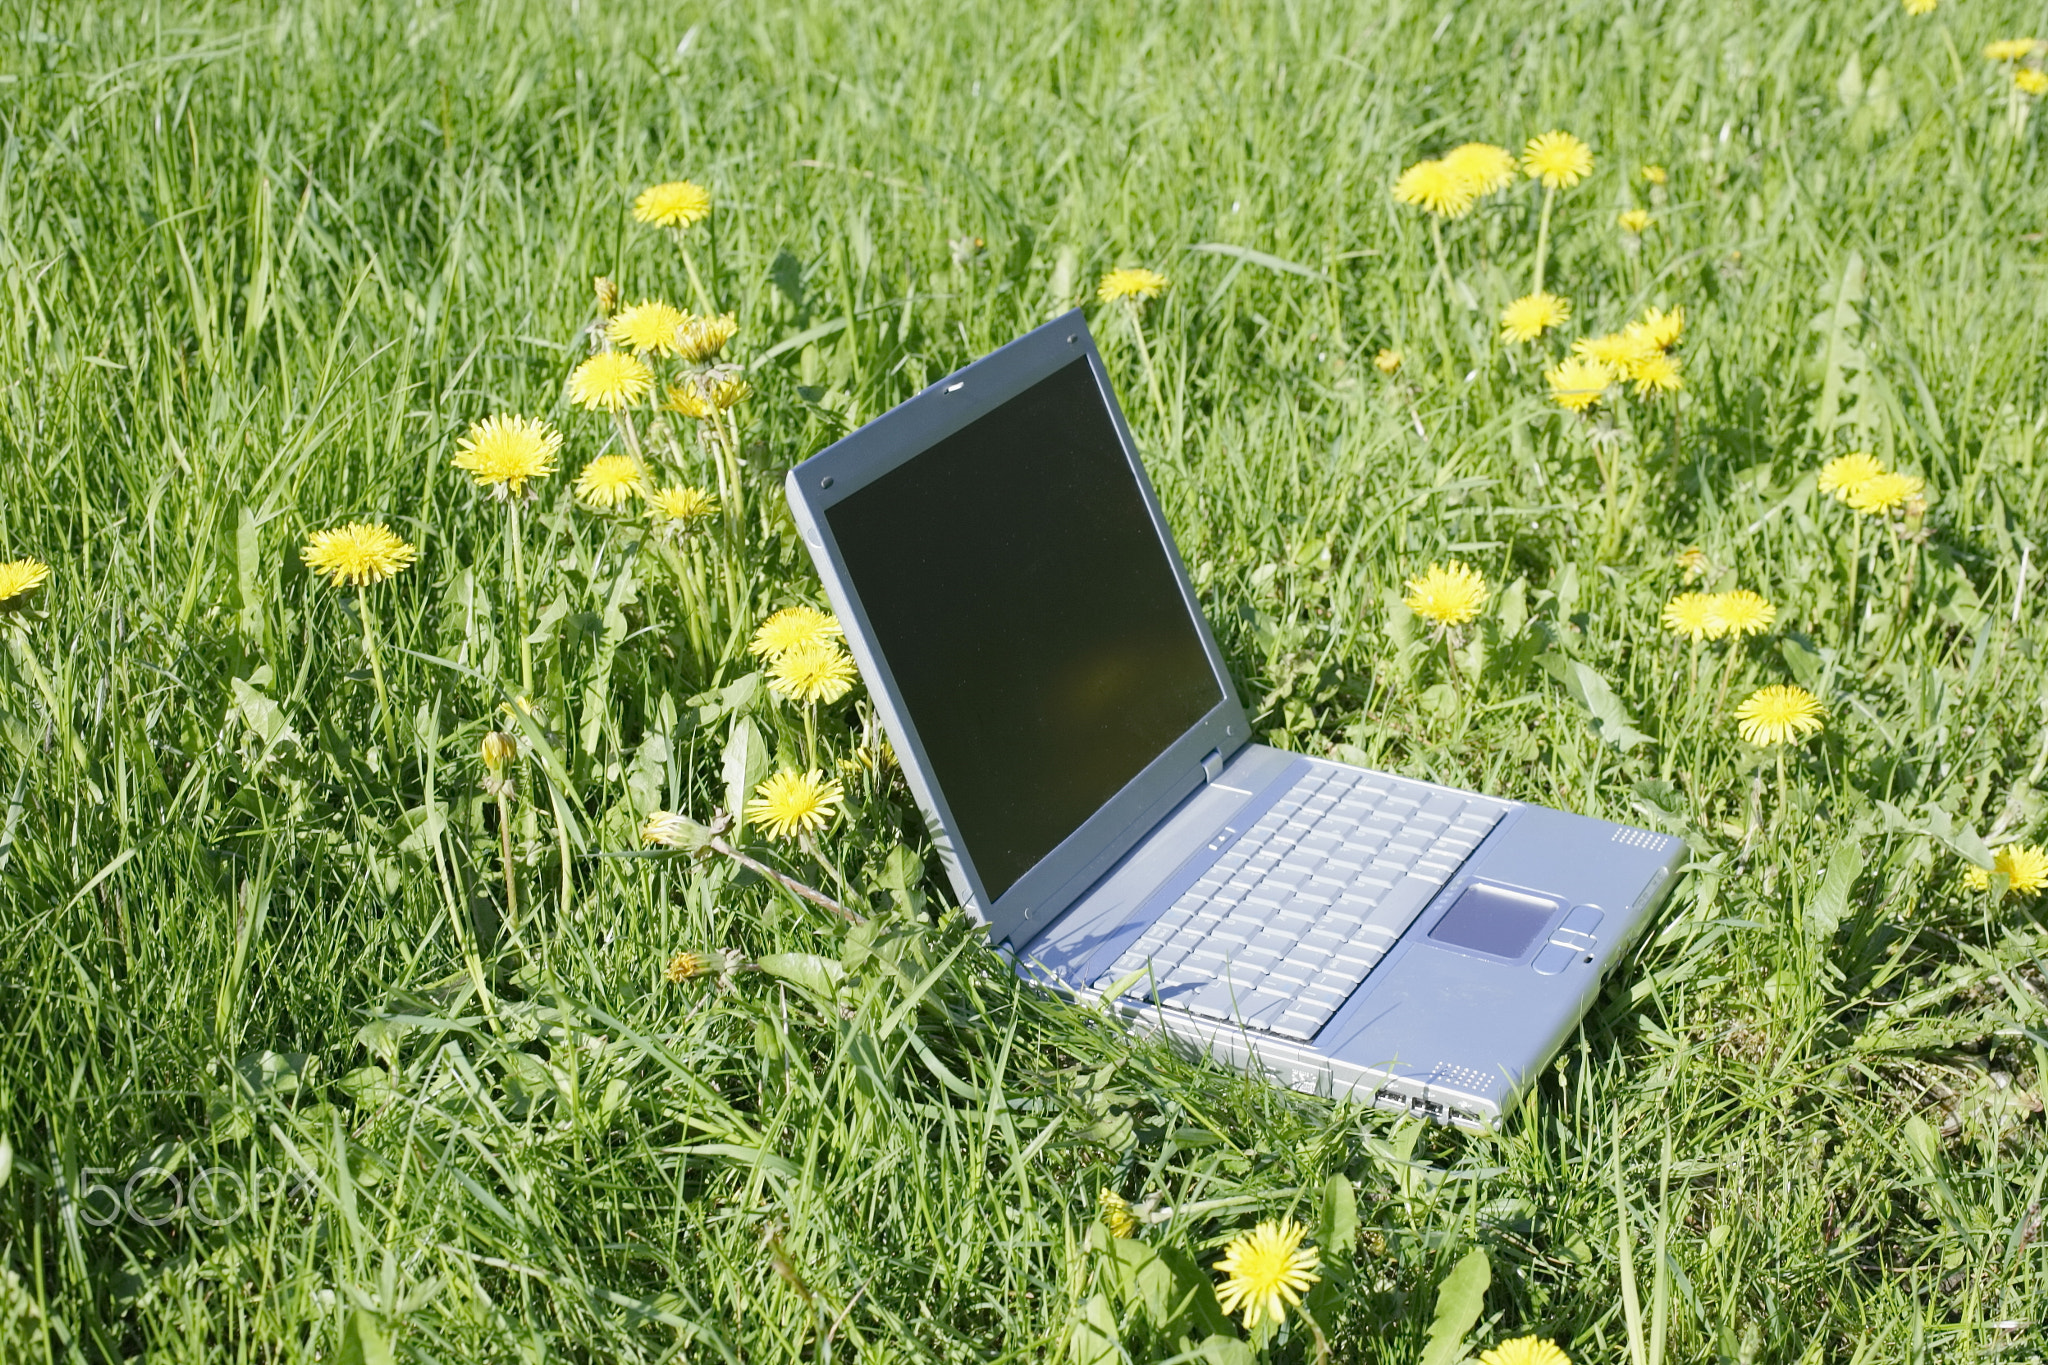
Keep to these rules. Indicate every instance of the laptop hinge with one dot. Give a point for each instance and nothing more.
(1212, 765)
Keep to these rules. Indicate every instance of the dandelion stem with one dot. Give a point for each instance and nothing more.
(377, 677)
(1728, 673)
(1855, 563)
(1784, 796)
(519, 599)
(1151, 375)
(505, 859)
(731, 435)
(1543, 236)
(629, 435)
(810, 736)
(703, 295)
(810, 846)
(789, 884)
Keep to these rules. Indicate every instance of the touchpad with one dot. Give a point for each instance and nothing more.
(1493, 919)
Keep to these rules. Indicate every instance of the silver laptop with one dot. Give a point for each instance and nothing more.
(1010, 589)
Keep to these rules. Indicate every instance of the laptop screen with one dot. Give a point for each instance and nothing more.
(1015, 584)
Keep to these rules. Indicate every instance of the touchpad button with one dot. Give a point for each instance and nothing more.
(1494, 920)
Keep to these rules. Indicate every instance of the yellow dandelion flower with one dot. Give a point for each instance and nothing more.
(1577, 383)
(729, 392)
(19, 578)
(1136, 284)
(1695, 616)
(1559, 160)
(1266, 1271)
(683, 507)
(1532, 315)
(1656, 175)
(2025, 868)
(1635, 221)
(1115, 1212)
(1388, 361)
(1693, 560)
(688, 400)
(1437, 187)
(1844, 474)
(792, 627)
(610, 380)
(502, 453)
(1883, 492)
(1620, 351)
(609, 481)
(704, 338)
(790, 802)
(810, 674)
(648, 326)
(2010, 49)
(1448, 594)
(683, 966)
(2031, 81)
(1742, 612)
(676, 204)
(1525, 1351)
(1778, 714)
(1917, 7)
(357, 554)
(1658, 372)
(1663, 329)
(1488, 167)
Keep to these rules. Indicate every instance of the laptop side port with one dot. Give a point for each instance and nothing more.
(1401, 1099)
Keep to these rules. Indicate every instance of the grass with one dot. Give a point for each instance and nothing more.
(263, 265)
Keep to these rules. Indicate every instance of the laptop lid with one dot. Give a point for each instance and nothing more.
(1008, 585)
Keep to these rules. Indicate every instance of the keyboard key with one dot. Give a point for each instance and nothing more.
(1398, 909)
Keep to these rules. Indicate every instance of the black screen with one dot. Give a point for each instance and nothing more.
(1020, 594)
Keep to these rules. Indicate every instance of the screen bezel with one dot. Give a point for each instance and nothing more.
(1037, 897)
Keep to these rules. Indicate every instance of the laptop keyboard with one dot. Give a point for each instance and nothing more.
(1282, 927)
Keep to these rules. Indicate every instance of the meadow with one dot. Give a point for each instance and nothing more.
(347, 1012)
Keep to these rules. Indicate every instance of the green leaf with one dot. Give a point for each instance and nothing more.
(746, 763)
(362, 1342)
(1336, 1235)
(1226, 1350)
(1262, 259)
(1459, 1300)
(1937, 824)
(1196, 1303)
(819, 976)
(1609, 718)
(1093, 1340)
(1824, 912)
(1337, 1224)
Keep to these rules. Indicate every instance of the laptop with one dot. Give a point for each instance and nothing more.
(1014, 599)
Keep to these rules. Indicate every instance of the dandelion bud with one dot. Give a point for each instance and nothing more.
(498, 750)
(727, 394)
(702, 338)
(607, 295)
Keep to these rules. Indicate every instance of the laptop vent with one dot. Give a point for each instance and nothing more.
(1459, 1078)
(1640, 838)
